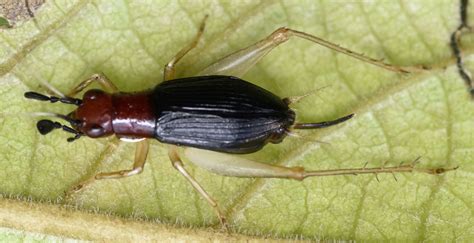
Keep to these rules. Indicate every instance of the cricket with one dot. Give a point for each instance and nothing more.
(212, 115)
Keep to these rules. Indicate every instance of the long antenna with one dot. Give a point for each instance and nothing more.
(51, 114)
(50, 88)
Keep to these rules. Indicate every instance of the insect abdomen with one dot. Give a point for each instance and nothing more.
(219, 113)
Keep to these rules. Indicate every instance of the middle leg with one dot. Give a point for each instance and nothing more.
(178, 165)
(169, 71)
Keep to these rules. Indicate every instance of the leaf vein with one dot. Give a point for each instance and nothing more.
(16, 58)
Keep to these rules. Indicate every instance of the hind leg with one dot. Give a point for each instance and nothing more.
(239, 62)
(229, 165)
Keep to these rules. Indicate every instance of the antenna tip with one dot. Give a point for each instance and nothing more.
(45, 126)
(36, 96)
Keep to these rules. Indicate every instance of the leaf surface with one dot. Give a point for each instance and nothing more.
(398, 117)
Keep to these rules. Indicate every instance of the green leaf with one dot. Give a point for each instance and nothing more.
(398, 118)
(4, 23)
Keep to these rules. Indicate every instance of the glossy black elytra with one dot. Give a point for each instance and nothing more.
(212, 111)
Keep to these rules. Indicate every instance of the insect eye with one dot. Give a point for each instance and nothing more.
(95, 131)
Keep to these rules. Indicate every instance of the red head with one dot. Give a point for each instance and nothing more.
(95, 114)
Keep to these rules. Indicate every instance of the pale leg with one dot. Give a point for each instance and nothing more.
(169, 71)
(238, 63)
(178, 164)
(229, 165)
(100, 78)
(141, 153)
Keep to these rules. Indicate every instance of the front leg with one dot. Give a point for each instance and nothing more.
(141, 153)
(100, 78)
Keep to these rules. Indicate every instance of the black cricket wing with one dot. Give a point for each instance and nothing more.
(220, 113)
